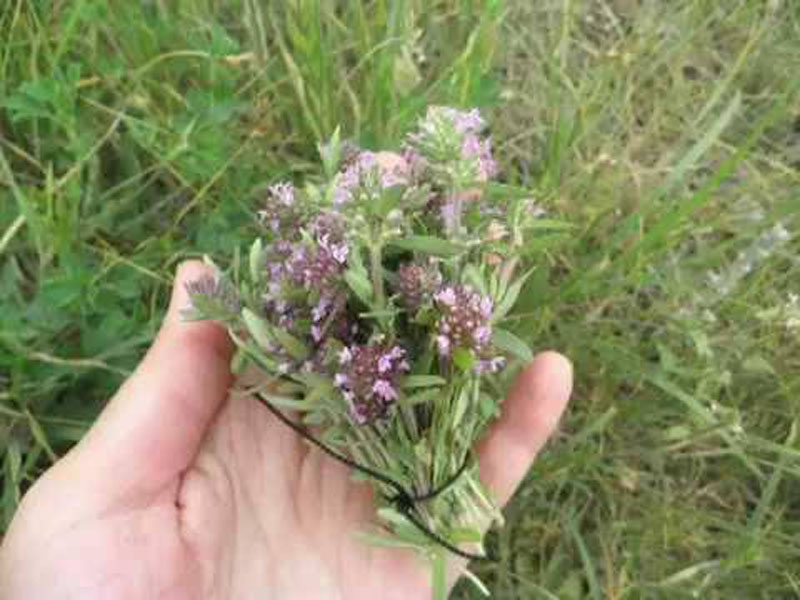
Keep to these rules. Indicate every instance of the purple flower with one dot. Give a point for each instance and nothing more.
(370, 171)
(345, 356)
(465, 322)
(331, 224)
(482, 335)
(416, 284)
(486, 307)
(347, 183)
(321, 309)
(447, 296)
(384, 363)
(480, 151)
(304, 294)
(338, 251)
(384, 389)
(368, 380)
(453, 140)
(280, 210)
(213, 297)
(449, 215)
(318, 265)
(463, 121)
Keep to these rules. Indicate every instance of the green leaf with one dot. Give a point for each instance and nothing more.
(551, 224)
(418, 381)
(390, 199)
(321, 391)
(510, 297)
(13, 478)
(758, 364)
(40, 436)
(459, 408)
(406, 73)
(331, 153)
(473, 276)
(256, 254)
(507, 341)
(291, 344)
(287, 402)
(439, 577)
(429, 245)
(488, 406)
(258, 328)
(463, 359)
(378, 314)
(426, 395)
(360, 284)
(466, 535)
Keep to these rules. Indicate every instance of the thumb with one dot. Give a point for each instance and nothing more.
(151, 429)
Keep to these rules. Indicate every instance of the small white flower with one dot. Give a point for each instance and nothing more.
(345, 356)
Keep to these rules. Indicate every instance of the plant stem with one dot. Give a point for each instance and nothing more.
(453, 224)
(376, 269)
(439, 576)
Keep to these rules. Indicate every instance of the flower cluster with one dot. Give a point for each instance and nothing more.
(368, 379)
(280, 211)
(455, 138)
(466, 323)
(303, 293)
(330, 252)
(370, 172)
(416, 284)
(212, 296)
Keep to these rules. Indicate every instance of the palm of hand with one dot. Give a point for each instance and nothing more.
(176, 494)
(284, 518)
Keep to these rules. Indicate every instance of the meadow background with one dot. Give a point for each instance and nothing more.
(134, 134)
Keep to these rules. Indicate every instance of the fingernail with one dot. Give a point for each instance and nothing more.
(186, 272)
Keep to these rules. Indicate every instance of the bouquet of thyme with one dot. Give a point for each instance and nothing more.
(371, 301)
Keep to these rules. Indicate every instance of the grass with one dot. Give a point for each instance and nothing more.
(666, 133)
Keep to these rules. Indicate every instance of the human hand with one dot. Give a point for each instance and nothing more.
(175, 493)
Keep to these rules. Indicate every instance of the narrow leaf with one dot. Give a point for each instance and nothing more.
(473, 276)
(419, 381)
(291, 344)
(507, 341)
(256, 253)
(359, 283)
(429, 245)
(258, 328)
(426, 395)
(553, 224)
(510, 297)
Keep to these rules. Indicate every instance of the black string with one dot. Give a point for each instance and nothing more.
(404, 502)
(400, 491)
(327, 449)
(450, 481)
(409, 514)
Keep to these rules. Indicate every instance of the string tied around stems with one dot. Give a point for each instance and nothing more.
(404, 502)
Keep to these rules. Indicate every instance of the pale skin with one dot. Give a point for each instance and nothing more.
(179, 491)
